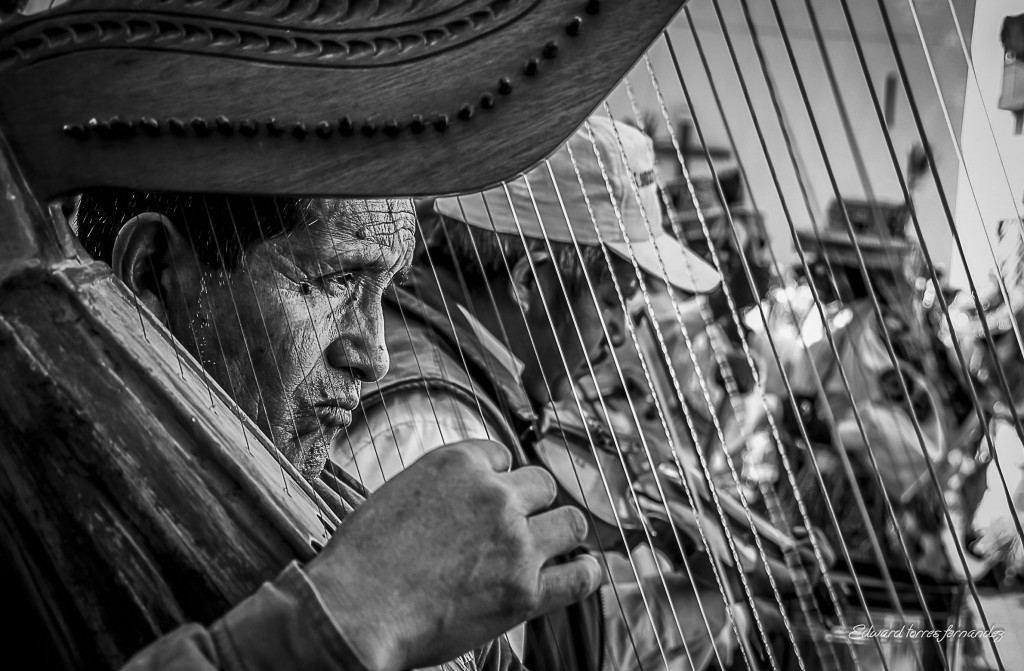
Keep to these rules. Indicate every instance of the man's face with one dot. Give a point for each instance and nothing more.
(581, 325)
(296, 327)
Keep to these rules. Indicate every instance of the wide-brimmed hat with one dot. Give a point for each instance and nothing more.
(594, 197)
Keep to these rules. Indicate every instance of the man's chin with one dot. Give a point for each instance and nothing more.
(309, 454)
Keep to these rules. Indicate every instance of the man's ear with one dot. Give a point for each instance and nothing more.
(143, 258)
(524, 280)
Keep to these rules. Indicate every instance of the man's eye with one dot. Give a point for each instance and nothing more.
(342, 279)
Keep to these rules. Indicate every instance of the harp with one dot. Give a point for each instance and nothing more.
(94, 93)
(696, 407)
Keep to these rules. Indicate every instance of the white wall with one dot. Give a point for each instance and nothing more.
(942, 46)
(992, 183)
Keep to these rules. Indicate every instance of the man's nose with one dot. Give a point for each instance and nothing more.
(360, 350)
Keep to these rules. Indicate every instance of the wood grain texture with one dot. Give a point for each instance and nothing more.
(54, 74)
(138, 504)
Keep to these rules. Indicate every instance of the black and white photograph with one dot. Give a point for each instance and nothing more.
(512, 335)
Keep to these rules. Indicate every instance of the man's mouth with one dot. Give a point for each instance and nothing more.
(336, 413)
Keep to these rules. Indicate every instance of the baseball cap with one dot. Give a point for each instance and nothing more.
(492, 210)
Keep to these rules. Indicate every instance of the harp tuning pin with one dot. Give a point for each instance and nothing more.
(593, 7)
(273, 129)
(369, 128)
(504, 86)
(224, 125)
(487, 101)
(572, 29)
(417, 124)
(392, 128)
(323, 129)
(101, 128)
(177, 126)
(248, 127)
(345, 126)
(550, 50)
(201, 126)
(75, 131)
(441, 122)
(466, 112)
(149, 126)
(300, 130)
(530, 69)
(121, 128)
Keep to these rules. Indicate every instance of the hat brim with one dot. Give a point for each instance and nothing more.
(684, 269)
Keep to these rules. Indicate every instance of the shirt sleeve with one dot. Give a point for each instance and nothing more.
(282, 625)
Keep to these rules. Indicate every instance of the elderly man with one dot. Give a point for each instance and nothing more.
(500, 315)
(280, 300)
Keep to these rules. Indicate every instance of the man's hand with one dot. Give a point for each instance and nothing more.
(449, 554)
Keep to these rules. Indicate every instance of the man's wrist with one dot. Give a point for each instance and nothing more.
(352, 606)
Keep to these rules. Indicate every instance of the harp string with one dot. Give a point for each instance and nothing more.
(947, 211)
(981, 98)
(1000, 280)
(601, 473)
(830, 338)
(880, 318)
(704, 464)
(940, 297)
(220, 344)
(505, 339)
(870, 287)
(943, 504)
(975, 295)
(640, 433)
(464, 362)
(266, 332)
(426, 389)
(338, 333)
(761, 309)
(619, 451)
(817, 378)
(732, 393)
(732, 390)
(714, 418)
(261, 404)
(952, 132)
(442, 222)
(303, 389)
(876, 307)
(622, 299)
(997, 271)
(715, 565)
(941, 499)
(693, 502)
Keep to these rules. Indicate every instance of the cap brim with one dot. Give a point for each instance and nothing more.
(684, 270)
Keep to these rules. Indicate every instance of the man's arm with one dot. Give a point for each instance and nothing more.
(443, 558)
(283, 625)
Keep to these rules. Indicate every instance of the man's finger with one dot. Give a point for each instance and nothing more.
(563, 584)
(534, 487)
(494, 453)
(558, 531)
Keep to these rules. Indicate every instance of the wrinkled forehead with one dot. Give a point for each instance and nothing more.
(388, 224)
